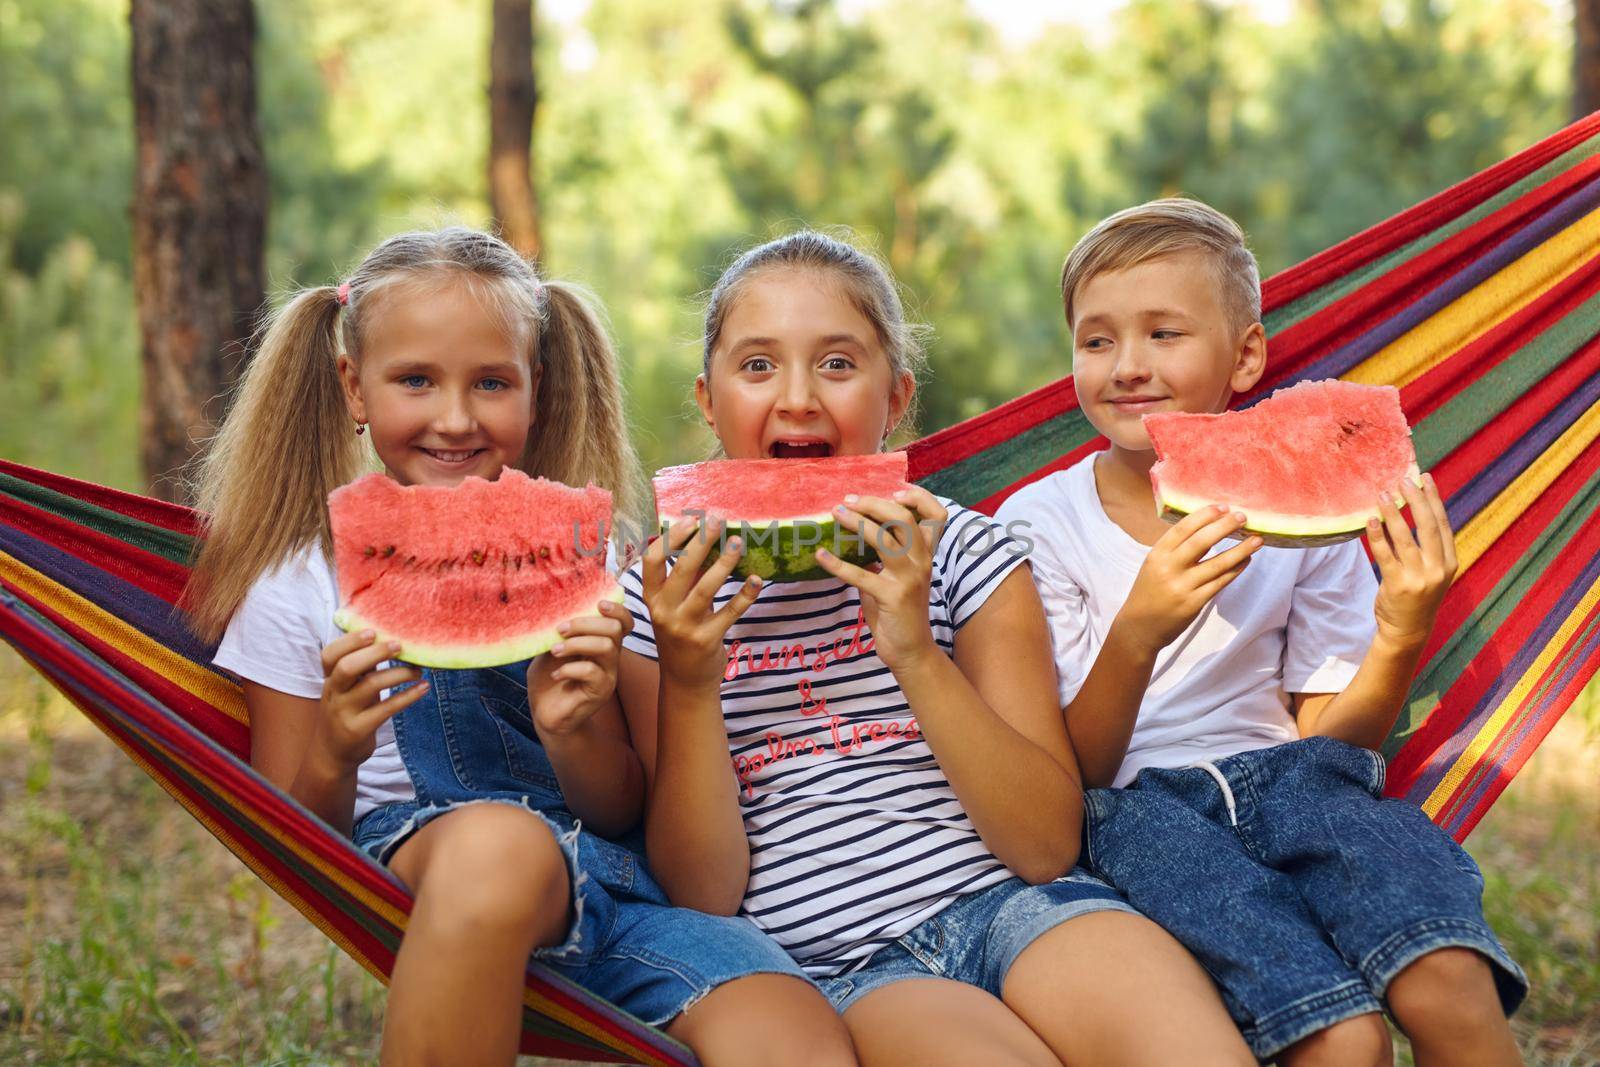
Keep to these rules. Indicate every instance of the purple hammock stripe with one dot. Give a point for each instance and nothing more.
(1530, 716)
(145, 612)
(1448, 752)
(1556, 218)
(1492, 480)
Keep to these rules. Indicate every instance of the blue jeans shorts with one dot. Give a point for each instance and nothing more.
(627, 943)
(1294, 881)
(978, 938)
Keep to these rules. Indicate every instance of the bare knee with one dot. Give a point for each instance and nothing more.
(1361, 1041)
(761, 1019)
(1448, 990)
(494, 867)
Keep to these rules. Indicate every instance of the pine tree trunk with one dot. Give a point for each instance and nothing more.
(199, 218)
(513, 99)
(1585, 57)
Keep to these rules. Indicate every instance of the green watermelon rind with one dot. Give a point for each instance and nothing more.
(471, 657)
(772, 551)
(1279, 529)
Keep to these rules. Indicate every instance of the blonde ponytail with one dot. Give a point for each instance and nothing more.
(580, 428)
(289, 441)
(287, 444)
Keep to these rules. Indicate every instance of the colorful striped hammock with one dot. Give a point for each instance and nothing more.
(1482, 304)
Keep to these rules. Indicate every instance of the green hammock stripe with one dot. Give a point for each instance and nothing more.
(985, 473)
(1314, 301)
(168, 544)
(1479, 628)
(1469, 411)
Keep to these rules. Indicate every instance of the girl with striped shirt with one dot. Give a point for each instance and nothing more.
(872, 767)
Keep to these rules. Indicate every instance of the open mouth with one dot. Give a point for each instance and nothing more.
(800, 450)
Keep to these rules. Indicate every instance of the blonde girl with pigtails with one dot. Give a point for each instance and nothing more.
(484, 791)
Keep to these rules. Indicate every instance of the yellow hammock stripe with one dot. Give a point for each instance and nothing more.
(1485, 738)
(1481, 532)
(194, 679)
(1480, 310)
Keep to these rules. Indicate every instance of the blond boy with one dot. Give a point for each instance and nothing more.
(1226, 701)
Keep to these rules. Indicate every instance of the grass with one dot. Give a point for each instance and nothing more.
(129, 936)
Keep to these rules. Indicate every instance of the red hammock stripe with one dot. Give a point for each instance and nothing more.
(174, 517)
(122, 561)
(1384, 237)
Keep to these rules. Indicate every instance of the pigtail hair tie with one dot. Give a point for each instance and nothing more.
(344, 294)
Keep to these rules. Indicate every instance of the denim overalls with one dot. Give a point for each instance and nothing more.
(470, 739)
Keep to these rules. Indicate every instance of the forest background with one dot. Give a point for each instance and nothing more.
(969, 144)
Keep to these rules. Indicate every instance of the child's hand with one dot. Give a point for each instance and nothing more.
(1176, 581)
(1416, 571)
(895, 590)
(351, 712)
(572, 681)
(688, 632)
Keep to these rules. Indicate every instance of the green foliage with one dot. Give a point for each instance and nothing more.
(670, 137)
(69, 357)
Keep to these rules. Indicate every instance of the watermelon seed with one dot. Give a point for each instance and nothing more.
(477, 557)
(370, 551)
(544, 551)
(505, 598)
(388, 551)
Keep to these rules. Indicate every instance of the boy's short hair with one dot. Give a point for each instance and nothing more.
(1162, 227)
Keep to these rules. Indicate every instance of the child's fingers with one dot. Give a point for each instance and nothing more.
(653, 566)
(729, 613)
(1426, 534)
(867, 581)
(1394, 524)
(582, 672)
(1382, 551)
(1223, 580)
(1447, 535)
(1207, 537)
(593, 626)
(342, 646)
(1209, 570)
(584, 647)
(353, 666)
(1184, 527)
(704, 593)
(924, 506)
(379, 713)
(894, 539)
(367, 690)
(696, 549)
(895, 520)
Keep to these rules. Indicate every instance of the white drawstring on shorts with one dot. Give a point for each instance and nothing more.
(1222, 783)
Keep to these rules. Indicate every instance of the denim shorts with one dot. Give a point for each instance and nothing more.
(978, 938)
(627, 944)
(1294, 881)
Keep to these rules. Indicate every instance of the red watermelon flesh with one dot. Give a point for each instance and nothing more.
(471, 575)
(1306, 465)
(782, 508)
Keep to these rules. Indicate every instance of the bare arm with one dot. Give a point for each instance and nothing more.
(572, 691)
(990, 717)
(1174, 585)
(312, 749)
(694, 831)
(1416, 573)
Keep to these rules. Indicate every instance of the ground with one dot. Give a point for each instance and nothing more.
(129, 936)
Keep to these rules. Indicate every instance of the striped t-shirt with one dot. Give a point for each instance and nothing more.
(855, 834)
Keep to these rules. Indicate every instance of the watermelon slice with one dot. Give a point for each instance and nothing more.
(472, 575)
(782, 508)
(1305, 466)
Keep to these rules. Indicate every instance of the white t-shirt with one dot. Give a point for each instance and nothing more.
(1296, 621)
(855, 834)
(276, 639)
